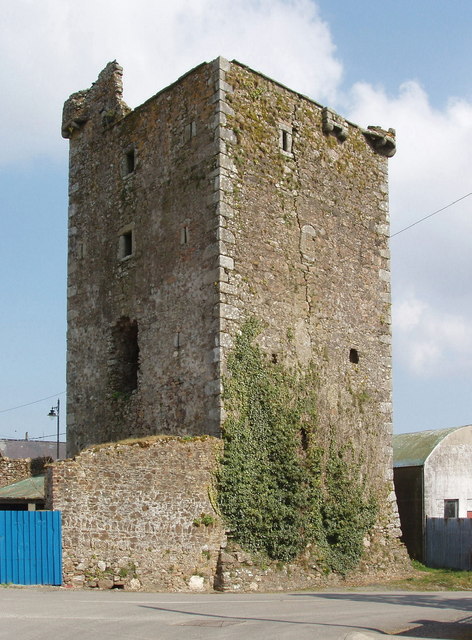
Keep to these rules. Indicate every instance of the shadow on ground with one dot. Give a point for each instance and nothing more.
(410, 599)
(198, 619)
(459, 630)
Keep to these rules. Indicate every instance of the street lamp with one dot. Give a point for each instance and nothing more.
(54, 413)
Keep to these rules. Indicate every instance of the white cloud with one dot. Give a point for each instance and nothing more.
(52, 48)
(431, 342)
(408, 314)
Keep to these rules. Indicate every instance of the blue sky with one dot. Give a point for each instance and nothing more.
(386, 42)
(390, 62)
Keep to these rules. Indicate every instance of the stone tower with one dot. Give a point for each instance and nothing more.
(224, 196)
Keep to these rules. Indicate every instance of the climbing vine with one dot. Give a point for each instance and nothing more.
(278, 490)
(347, 512)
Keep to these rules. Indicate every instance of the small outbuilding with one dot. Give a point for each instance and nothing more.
(24, 495)
(433, 479)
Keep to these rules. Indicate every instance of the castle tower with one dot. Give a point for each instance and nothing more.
(223, 197)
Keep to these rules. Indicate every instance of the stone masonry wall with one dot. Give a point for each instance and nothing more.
(143, 261)
(304, 220)
(13, 470)
(139, 514)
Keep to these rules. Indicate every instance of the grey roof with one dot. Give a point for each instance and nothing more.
(31, 449)
(28, 489)
(412, 449)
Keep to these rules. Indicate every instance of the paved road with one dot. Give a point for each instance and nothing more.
(49, 614)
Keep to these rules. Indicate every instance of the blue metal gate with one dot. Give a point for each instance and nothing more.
(30, 547)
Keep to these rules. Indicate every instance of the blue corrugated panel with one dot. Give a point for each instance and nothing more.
(30, 547)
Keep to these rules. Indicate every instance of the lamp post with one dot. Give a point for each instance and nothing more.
(54, 413)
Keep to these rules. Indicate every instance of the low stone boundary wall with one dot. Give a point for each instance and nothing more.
(139, 514)
(13, 470)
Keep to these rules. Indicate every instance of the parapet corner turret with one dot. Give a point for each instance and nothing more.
(381, 141)
(102, 102)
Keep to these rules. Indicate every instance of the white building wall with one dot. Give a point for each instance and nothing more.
(448, 474)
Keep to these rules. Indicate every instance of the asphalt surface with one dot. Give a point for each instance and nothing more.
(48, 613)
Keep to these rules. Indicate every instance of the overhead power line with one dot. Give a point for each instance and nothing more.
(20, 406)
(431, 215)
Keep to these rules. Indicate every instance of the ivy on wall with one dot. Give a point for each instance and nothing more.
(277, 488)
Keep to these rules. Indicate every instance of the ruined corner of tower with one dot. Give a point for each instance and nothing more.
(102, 103)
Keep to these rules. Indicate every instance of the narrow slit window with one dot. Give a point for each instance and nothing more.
(285, 145)
(126, 244)
(354, 356)
(130, 161)
(184, 236)
(305, 441)
(285, 140)
(190, 130)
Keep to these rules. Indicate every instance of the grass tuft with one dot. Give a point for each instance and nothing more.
(428, 579)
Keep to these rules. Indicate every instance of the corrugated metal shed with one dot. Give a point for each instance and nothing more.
(28, 489)
(412, 449)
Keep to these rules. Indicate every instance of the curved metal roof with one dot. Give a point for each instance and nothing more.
(412, 449)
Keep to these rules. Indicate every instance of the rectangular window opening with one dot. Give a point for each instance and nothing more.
(126, 245)
(451, 508)
(285, 140)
